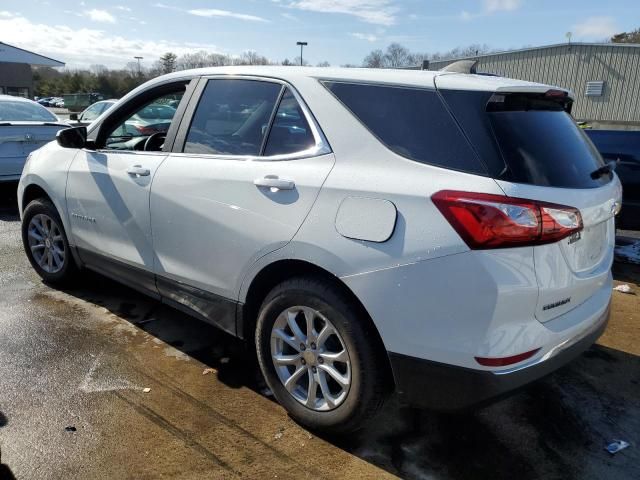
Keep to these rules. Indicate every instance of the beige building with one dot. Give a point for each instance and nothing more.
(605, 78)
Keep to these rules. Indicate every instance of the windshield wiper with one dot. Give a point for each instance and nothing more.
(605, 169)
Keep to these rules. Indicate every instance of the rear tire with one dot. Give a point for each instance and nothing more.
(341, 366)
(46, 245)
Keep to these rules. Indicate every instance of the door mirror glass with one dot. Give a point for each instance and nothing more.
(75, 137)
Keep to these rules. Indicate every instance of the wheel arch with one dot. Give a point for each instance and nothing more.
(32, 192)
(280, 270)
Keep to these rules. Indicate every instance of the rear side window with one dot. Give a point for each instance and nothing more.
(232, 117)
(525, 138)
(412, 122)
(290, 132)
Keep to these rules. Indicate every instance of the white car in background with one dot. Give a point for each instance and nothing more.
(92, 112)
(442, 235)
(24, 127)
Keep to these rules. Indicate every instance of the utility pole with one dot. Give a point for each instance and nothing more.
(139, 67)
(302, 45)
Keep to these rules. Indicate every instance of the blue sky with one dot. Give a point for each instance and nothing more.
(338, 31)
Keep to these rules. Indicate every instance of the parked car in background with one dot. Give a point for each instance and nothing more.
(59, 103)
(442, 235)
(623, 147)
(92, 112)
(24, 127)
(44, 101)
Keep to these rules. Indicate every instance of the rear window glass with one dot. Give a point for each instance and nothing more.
(526, 138)
(11, 111)
(546, 148)
(412, 122)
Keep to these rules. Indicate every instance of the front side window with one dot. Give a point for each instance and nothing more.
(232, 117)
(154, 117)
(412, 122)
(290, 131)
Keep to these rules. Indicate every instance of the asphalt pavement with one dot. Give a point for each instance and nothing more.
(102, 382)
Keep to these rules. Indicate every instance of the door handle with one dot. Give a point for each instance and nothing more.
(138, 171)
(275, 183)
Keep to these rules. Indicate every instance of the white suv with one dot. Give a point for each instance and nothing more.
(445, 236)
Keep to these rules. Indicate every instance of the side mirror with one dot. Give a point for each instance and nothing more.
(73, 116)
(75, 137)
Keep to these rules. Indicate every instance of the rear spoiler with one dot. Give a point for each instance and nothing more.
(462, 66)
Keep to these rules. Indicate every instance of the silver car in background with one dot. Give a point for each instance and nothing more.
(24, 127)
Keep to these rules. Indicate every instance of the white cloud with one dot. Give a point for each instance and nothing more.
(380, 12)
(501, 5)
(596, 28)
(369, 37)
(213, 12)
(5, 14)
(288, 16)
(100, 16)
(81, 47)
(122, 8)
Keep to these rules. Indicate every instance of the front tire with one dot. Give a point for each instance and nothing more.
(45, 243)
(317, 355)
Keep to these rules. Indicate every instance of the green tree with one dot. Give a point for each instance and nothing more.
(168, 62)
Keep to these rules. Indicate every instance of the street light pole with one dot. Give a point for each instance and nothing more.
(139, 67)
(302, 45)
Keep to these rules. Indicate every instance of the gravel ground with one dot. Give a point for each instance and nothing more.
(74, 366)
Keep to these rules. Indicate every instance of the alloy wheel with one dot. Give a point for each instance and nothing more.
(311, 358)
(46, 243)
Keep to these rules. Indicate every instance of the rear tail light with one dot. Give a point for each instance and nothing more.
(505, 361)
(486, 221)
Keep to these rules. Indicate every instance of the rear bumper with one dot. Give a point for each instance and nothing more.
(439, 386)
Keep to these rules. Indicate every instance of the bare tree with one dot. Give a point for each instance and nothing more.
(323, 64)
(250, 57)
(397, 56)
(296, 61)
(98, 69)
(375, 59)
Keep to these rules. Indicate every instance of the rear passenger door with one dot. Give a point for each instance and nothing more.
(246, 168)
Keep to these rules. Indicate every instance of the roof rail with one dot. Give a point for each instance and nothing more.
(462, 66)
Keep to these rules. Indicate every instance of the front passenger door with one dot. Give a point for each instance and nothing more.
(108, 190)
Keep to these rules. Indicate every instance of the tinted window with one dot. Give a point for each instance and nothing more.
(546, 148)
(232, 117)
(16, 111)
(412, 122)
(526, 138)
(290, 132)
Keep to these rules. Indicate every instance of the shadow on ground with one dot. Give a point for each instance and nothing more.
(555, 428)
